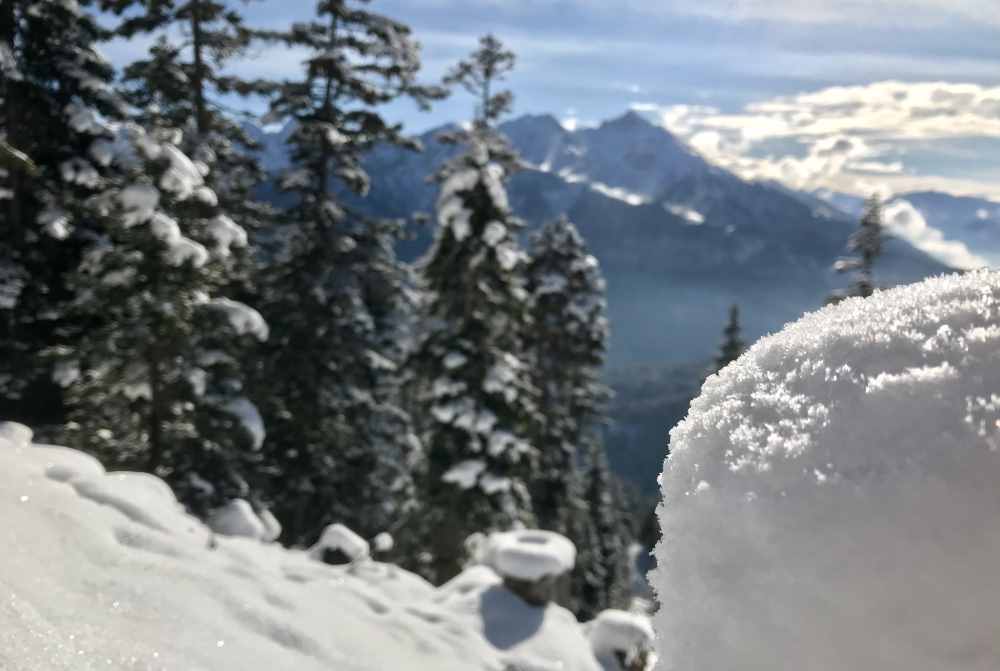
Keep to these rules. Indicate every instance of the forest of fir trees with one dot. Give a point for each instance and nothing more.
(154, 313)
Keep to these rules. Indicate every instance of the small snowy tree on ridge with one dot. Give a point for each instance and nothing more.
(866, 245)
(477, 407)
(732, 344)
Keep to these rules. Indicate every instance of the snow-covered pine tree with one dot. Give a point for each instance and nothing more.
(567, 344)
(603, 573)
(732, 344)
(181, 84)
(866, 246)
(153, 380)
(476, 405)
(341, 446)
(55, 95)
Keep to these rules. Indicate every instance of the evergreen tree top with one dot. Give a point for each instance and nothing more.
(732, 344)
(479, 73)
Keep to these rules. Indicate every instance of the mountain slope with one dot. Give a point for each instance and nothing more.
(679, 239)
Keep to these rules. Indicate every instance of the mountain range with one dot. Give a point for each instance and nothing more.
(679, 240)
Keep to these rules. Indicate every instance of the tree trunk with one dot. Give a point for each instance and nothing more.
(197, 46)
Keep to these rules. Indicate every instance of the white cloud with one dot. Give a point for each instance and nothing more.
(905, 221)
(844, 134)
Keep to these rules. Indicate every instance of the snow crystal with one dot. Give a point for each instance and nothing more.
(249, 418)
(236, 518)
(465, 473)
(849, 514)
(529, 554)
(338, 537)
(242, 318)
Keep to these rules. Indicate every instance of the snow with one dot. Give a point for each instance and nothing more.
(242, 318)
(182, 178)
(55, 222)
(180, 249)
(249, 418)
(237, 518)
(466, 473)
(830, 501)
(692, 217)
(227, 234)
(104, 571)
(618, 631)
(533, 638)
(529, 554)
(339, 537)
(139, 202)
(383, 542)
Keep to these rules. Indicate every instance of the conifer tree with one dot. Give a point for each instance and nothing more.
(153, 379)
(603, 574)
(866, 246)
(477, 407)
(335, 292)
(181, 84)
(567, 344)
(732, 344)
(55, 100)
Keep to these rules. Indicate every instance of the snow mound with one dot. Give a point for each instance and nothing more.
(237, 518)
(339, 539)
(530, 554)
(831, 499)
(143, 499)
(533, 638)
(618, 636)
(103, 571)
(14, 434)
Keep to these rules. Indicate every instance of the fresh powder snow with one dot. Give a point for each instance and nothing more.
(831, 499)
(106, 571)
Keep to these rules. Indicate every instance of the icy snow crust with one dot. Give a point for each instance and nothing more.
(832, 500)
(105, 571)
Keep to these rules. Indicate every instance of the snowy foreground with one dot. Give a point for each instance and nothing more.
(833, 497)
(104, 571)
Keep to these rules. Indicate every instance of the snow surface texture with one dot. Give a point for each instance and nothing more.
(832, 499)
(105, 571)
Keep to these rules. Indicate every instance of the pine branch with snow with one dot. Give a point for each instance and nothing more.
(153, 377)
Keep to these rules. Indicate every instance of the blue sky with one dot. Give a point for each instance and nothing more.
(848, 94)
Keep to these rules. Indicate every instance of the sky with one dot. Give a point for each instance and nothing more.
(851, 95)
